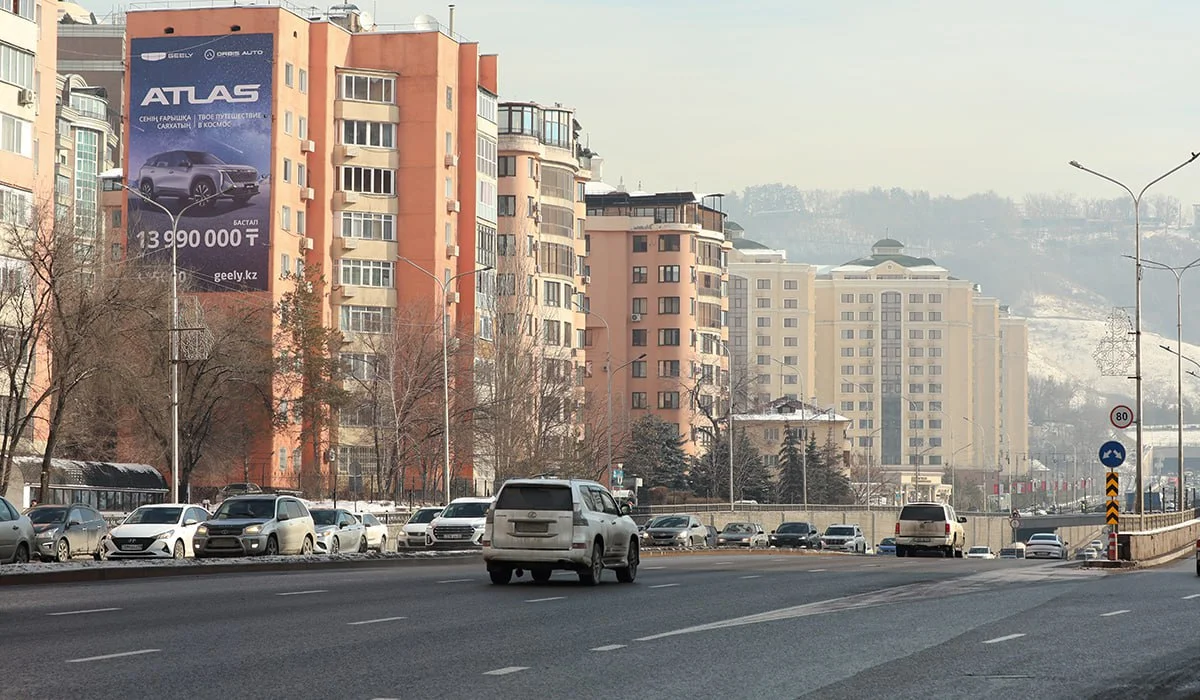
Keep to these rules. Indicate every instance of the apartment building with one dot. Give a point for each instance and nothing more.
(359, 152)
(86, 148)
(659, 269)
(767, 427)
(94, 49)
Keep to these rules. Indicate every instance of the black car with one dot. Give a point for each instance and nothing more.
(795, 535)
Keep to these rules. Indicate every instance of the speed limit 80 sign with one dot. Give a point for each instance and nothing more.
(1121, 416)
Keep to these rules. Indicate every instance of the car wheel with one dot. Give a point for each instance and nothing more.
(383, 545)
(272, 546)
(628, 573)
(202, 191)
(540, 575)
(335, 545)
(591, 576)
(900, 551)
(178, 551)
(62, 551)
(307, 547)
(147, 189)
(362, 546)
(100, 554)
(500, 577)
(948, 552)
(22, 555)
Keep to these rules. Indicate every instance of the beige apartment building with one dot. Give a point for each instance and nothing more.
(767, 427)
(658, 266)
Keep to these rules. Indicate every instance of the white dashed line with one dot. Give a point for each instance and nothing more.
(1189, 597)
(380, 619)
(302, 592)
(720, 563)
(105, 657)
(547, 600)
(82, 612)
(457, 580)
(506, 670)
(665, 585)
(609, 647)
(1005, 638)
(753, 576)
(652, 568)
(816, 571)
(869, 566)
(1114, 612)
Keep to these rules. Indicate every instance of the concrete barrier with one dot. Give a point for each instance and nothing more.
(1163, 544)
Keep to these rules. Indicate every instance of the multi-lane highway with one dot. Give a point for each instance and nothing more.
(705, 626)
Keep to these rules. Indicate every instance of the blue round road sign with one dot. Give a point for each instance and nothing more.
(1112, 454)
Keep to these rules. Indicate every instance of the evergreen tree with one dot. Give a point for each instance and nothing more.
(750, 477)
(836, 488)
(655, 453)
(791, 467)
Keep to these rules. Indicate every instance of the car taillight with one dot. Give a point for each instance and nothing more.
(577, 519)
(897, 528)
(947, 528)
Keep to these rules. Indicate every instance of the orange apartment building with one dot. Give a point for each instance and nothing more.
(660, 279)
(370, 168)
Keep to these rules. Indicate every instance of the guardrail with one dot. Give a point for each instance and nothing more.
(1131, 522)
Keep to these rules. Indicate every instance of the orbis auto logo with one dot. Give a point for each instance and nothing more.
(168, 96)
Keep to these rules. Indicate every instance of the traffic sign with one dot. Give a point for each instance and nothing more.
(1112, 454)
(1121, 416)
(1015, 523)
(1015, 514)
(1111, 513)
(1112, 485)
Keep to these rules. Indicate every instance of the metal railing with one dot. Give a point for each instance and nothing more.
(1130, 522)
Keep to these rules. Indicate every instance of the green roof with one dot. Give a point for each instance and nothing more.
(899, 259)
(746, 243)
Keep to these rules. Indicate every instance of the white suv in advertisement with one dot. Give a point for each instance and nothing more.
(460, 526)
(930, 527)
(198, 176)
(413, 533)
(161, 531)
(541, 525)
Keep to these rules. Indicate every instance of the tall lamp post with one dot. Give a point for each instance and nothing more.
(608, 366)
(444, 287)
(608, 370)
(1137, 303)
(1178, 272)
(174, 328)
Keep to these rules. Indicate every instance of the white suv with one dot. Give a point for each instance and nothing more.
(932, 527)
(844, 538)
(547, 524)
(459, 526)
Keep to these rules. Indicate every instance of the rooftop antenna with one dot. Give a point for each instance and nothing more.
(452, 21)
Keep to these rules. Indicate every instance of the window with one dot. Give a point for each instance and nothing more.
(935, 424)
(638, 369)
(916, 388)
(935, 405)
(916, 352)
(550, 294)
(935, 352)
(916, 370)
(866, 351)
(286, 218)
(668, 368)
(16, 66)
(935, 298)
(640, 336)
(368, 180)
(486, 156)
(449, 97)
(847, 298)
(640, 305)
(668, 399)
(847, 388)
(848, 369)
(366, 273)
(668, 305)
(366, 319)
(916, 316)
(506, 166)
(301, 223)
(368, 226)
(302, 132)
(916, 424)
(639, 243)
(289, 74)
(847, 352)
(368, 88)
(866, 298)
(303, 81)
(551, 332)
(507, 205)
(16, 135)
(372, 134)
(847, 335)
(866, 405)
(791, 304)
(866, 316)
(935, 334)
(762, 341)
(935, 315)
(668, 273)
(639, 275)
(764, 303)
(668, 243)
(668, 336)
(791, 284)
(915, 334)
(762, 321)
(301, 175)
(17, 205)
(287, 169)
(847, 406)
(638, 400)
(935, 388)
(916, 298)
(21, 8)
(285, 265)
(935, 369)
(288, 119)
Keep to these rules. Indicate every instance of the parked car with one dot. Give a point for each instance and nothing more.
(1015, 550)
(710, 538)
(377, 532)
(930, 527)
(16, 535)
(63, 532)
(198, 176)
(675, 531)
(541, 525)
(980, 552)
(742, 535)
(796, 534)
(886, 546)
(1087, 554)
(159, 531)
(241, 489)
(1045, 545)
(844, 538)
(337, 530)
(414, 530)
(256, 524)
(460, 525)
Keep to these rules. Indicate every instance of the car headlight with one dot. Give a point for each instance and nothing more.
(202, 530)
(252, 530)
(681, 536)
(46, 534)
(720, 539)
(166, 535)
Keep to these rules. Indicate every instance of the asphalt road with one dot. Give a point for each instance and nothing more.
(822, 626)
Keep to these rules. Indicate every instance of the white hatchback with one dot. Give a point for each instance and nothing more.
(160, 531)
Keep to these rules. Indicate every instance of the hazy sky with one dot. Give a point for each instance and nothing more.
(944, 96)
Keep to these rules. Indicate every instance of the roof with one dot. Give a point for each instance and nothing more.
(596, 188)
(876, 259)
(747, 244)
(641, 198)
(110, 475)
(888, 243)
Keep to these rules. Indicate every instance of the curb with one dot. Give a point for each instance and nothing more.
(93, 574)
(669, 552)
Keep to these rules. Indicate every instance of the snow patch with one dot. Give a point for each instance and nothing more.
(53, 567)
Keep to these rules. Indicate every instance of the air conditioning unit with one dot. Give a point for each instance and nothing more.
(587, 279)
(452, 298)
(349, 243)
(306, 243)
(349, 197)
(307, 146)
(349, 151)
(26, 97)
(347, 292)
(452, 160)
(636, 318)
(452, 251)
(453, 206)
(307, 193)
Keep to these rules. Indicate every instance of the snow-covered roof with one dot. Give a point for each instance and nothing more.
(111, 174)
(806, 415)
(598, 188)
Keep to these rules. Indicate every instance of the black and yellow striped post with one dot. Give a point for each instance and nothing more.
(1112, 511)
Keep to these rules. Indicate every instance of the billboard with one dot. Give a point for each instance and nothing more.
(200, 154)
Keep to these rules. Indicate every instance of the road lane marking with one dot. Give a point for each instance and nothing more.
(665, 585)
(82, 612)
(506, 670)
(869, 566)
(609, 647)
(378, 619)
(1005, 638)
(753, 576)
(105, 657)
(1114, 612)
(1189, 597)
(457, 580)
(302, 592)
(720, 563)
(547, 600)
(816, 571)
(652, 568)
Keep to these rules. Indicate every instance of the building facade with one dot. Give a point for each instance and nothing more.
(768, 426)
(94, 50)
(86, 146)
(659, 267)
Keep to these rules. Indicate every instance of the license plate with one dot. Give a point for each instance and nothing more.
(920, 539)
(538, 528)
(130, 548)
(455, 537)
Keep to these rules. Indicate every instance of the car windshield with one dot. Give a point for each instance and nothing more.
(738, 529)
(801, 528)
(534, 497)
(465, 510)
(154, 516)
(887, 541)
(424, 515)
(835, 530)
(202, 158)
(47, 516)
(247, 508)
(324, 517)
(922, 513)
(670, 521)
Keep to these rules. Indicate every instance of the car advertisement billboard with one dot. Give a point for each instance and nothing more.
(200, 154)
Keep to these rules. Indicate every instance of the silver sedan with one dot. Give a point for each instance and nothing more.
(338, 531)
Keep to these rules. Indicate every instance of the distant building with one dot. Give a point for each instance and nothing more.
(767, 427)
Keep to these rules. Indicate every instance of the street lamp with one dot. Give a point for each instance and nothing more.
(612, 372)
(1178, 272)
(1137, 303)
(173, 329)
(444, 286)
(608, 369)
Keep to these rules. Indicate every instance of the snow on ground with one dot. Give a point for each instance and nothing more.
(50, 567)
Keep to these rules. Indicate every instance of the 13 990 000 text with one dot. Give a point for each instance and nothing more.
(195, 238)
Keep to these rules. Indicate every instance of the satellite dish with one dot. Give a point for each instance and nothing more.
(426, 22)
(365, 21)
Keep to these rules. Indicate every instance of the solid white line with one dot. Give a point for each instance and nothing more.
(665, 585)
(457, 580)
(1114, 612)
(105, 657)
(609, 647)
(379, 619)
(302, 592)
(546, 600)
(816, 571)
(652, 568)
(82, 612)
(1005, 638)
(506, 670)
(754, 576)
(1189, 597)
